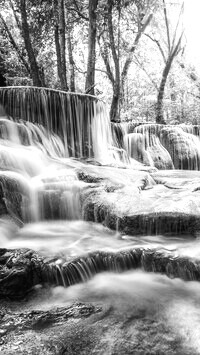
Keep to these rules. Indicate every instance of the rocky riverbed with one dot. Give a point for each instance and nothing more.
(123, 311)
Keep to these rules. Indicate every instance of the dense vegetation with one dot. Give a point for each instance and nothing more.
(129, 53)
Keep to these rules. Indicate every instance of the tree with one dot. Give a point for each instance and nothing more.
(60, 42)
(35, 74)
(2, 70)
(172, 48)
(90, 76)
(25, 27)
(69, 35)
(15, 45)
(114, 47)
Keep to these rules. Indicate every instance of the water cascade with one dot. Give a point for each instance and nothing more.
(162, 146)
(83, 205)
(75, 119)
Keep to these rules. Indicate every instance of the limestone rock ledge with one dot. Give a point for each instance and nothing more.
(158, 203)
(21, 270)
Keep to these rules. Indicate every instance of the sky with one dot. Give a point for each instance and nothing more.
(192, 30)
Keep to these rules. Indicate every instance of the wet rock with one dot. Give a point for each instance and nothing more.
(115, 176)
(104, 327)
(149, 143)
(160, 156)
(14, 196)
(179, 180)
(148, 150)
(21, 270)
(91, 177)
(183, 147)
(43, 332)
(135, 204)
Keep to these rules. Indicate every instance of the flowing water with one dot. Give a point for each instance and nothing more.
(42, 146)
(178, 146)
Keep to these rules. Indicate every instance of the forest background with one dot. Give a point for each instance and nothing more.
(130, 53)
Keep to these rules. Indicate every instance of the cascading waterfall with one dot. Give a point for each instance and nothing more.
(42, 124)
(80, 211)
(161, 146)
(80, 121)
(39, 134)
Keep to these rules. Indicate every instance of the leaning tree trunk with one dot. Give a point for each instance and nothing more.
(90, 77)
(115, 110)
(161, 91)
(160, 97)
(28, 45)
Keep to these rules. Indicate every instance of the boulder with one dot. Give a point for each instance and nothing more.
(20, 270)
(15, 196)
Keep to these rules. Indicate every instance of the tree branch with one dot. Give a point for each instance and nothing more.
(167, 26)
(137, 62)
(101, 70)
(104, 55)
(159, 46)
(15, 45)
(132, 50)
(175, 32)
(78, 11)
(111, 37)
(15, 16)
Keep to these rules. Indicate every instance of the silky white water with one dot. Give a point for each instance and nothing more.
(41, 192)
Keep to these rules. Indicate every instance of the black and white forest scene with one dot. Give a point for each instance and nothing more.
(99, 177)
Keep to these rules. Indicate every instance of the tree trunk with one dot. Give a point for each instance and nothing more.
(56, 38)
(161, 91)
(28, 45)
(90, 77)
(115, 105)
(70, 55)
(114, 110)
(59, 37)
(167, 68)
(174, 48)
(61, 12)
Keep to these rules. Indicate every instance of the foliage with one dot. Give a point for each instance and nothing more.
(140, 47)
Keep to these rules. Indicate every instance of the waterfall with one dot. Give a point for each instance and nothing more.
(80, 121)
(82, 269)
(43, 129)
(38, 125)
(79, 204)
(160, 146)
